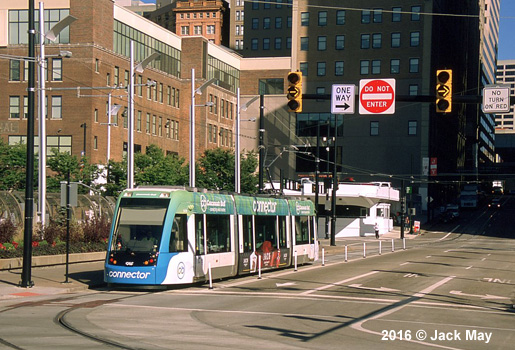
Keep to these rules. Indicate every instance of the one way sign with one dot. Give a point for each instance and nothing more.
(342, 99)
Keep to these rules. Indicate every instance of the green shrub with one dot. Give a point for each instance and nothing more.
(7, 230)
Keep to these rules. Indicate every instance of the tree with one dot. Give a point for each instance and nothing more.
(216, 171)
(13, 160)
(154, 168)
(80, 171)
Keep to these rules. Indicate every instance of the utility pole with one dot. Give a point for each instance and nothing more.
(26, 280)
(261, 141)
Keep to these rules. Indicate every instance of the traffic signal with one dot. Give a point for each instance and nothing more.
(443, 90)
(294, 92)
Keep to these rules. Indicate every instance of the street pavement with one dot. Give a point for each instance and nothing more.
(52, 280)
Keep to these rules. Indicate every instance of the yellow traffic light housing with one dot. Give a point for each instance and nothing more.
(294, 92)
(444, 91)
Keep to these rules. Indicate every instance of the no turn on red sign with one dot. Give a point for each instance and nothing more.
(377, 96)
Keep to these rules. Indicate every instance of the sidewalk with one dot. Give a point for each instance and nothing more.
(50, 280)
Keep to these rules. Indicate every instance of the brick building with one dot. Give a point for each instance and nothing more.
(77, 88)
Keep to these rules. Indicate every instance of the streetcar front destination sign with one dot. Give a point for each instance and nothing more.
(377, 96)
(496, 99)
(342, 99)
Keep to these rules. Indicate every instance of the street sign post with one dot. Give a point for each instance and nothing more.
(496, 99)
(377, 96)
(342, 99)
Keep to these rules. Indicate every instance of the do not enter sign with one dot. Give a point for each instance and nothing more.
(377, 96)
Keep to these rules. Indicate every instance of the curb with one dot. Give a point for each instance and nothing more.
(49, 260)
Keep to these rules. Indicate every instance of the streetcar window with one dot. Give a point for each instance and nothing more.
(301, 230)
(247, 233)
(179, 234)
(282, 232)
(199, 234)
(140, 224)
(218, 233)
(266, 231)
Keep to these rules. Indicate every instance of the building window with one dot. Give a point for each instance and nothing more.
(139, 87)
(57, 104)
(376, 67)
(365, 16)
(339, 42)
(303, 66)
(365, 41)
(288, 42)
(61, 144)
(18, 25)
(288, 21)
(413, 90)
(147, 124)
(160, 126)
(14, 70)
(395, 66)
(278, 22)
(412, 127)
(210, 29)
(304, 19)
(185, 30)
(378, 15)
(396, 14)
(198, 30)
(255, 23)
(414, 65)
(321, 69)
(320, 90)
(374, 128)
(278, 43)
(396, 40)
(322, 43)
(266, 23)
(116, 76)
(14, 107)
(338, 68)
(97, 64)
(154, 122)
(138, 122)
(254, 44)
(376, 41)
(95, 142)
(266, 43)
(415, 13)
(304, 43)
(322, 18)
(414, 39)
(25, 107)
(340, 17)
(364, 67)
(267, 4)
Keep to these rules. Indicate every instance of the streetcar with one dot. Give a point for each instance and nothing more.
(171, 235)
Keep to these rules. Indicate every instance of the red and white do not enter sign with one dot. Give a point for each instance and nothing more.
(377, 96)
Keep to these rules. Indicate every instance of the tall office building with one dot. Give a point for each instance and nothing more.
(506, 76)
(375, 39)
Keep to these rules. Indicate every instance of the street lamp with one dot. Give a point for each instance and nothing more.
(51, 35)
(192, 121)
(111, 110)
(140, 67)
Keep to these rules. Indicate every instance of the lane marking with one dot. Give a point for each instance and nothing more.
(380, 289)
(359, 325)
(338, 283)
(447, 235)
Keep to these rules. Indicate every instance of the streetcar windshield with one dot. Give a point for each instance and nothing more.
(140, 224)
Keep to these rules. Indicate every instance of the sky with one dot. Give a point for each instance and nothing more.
(506, 30)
